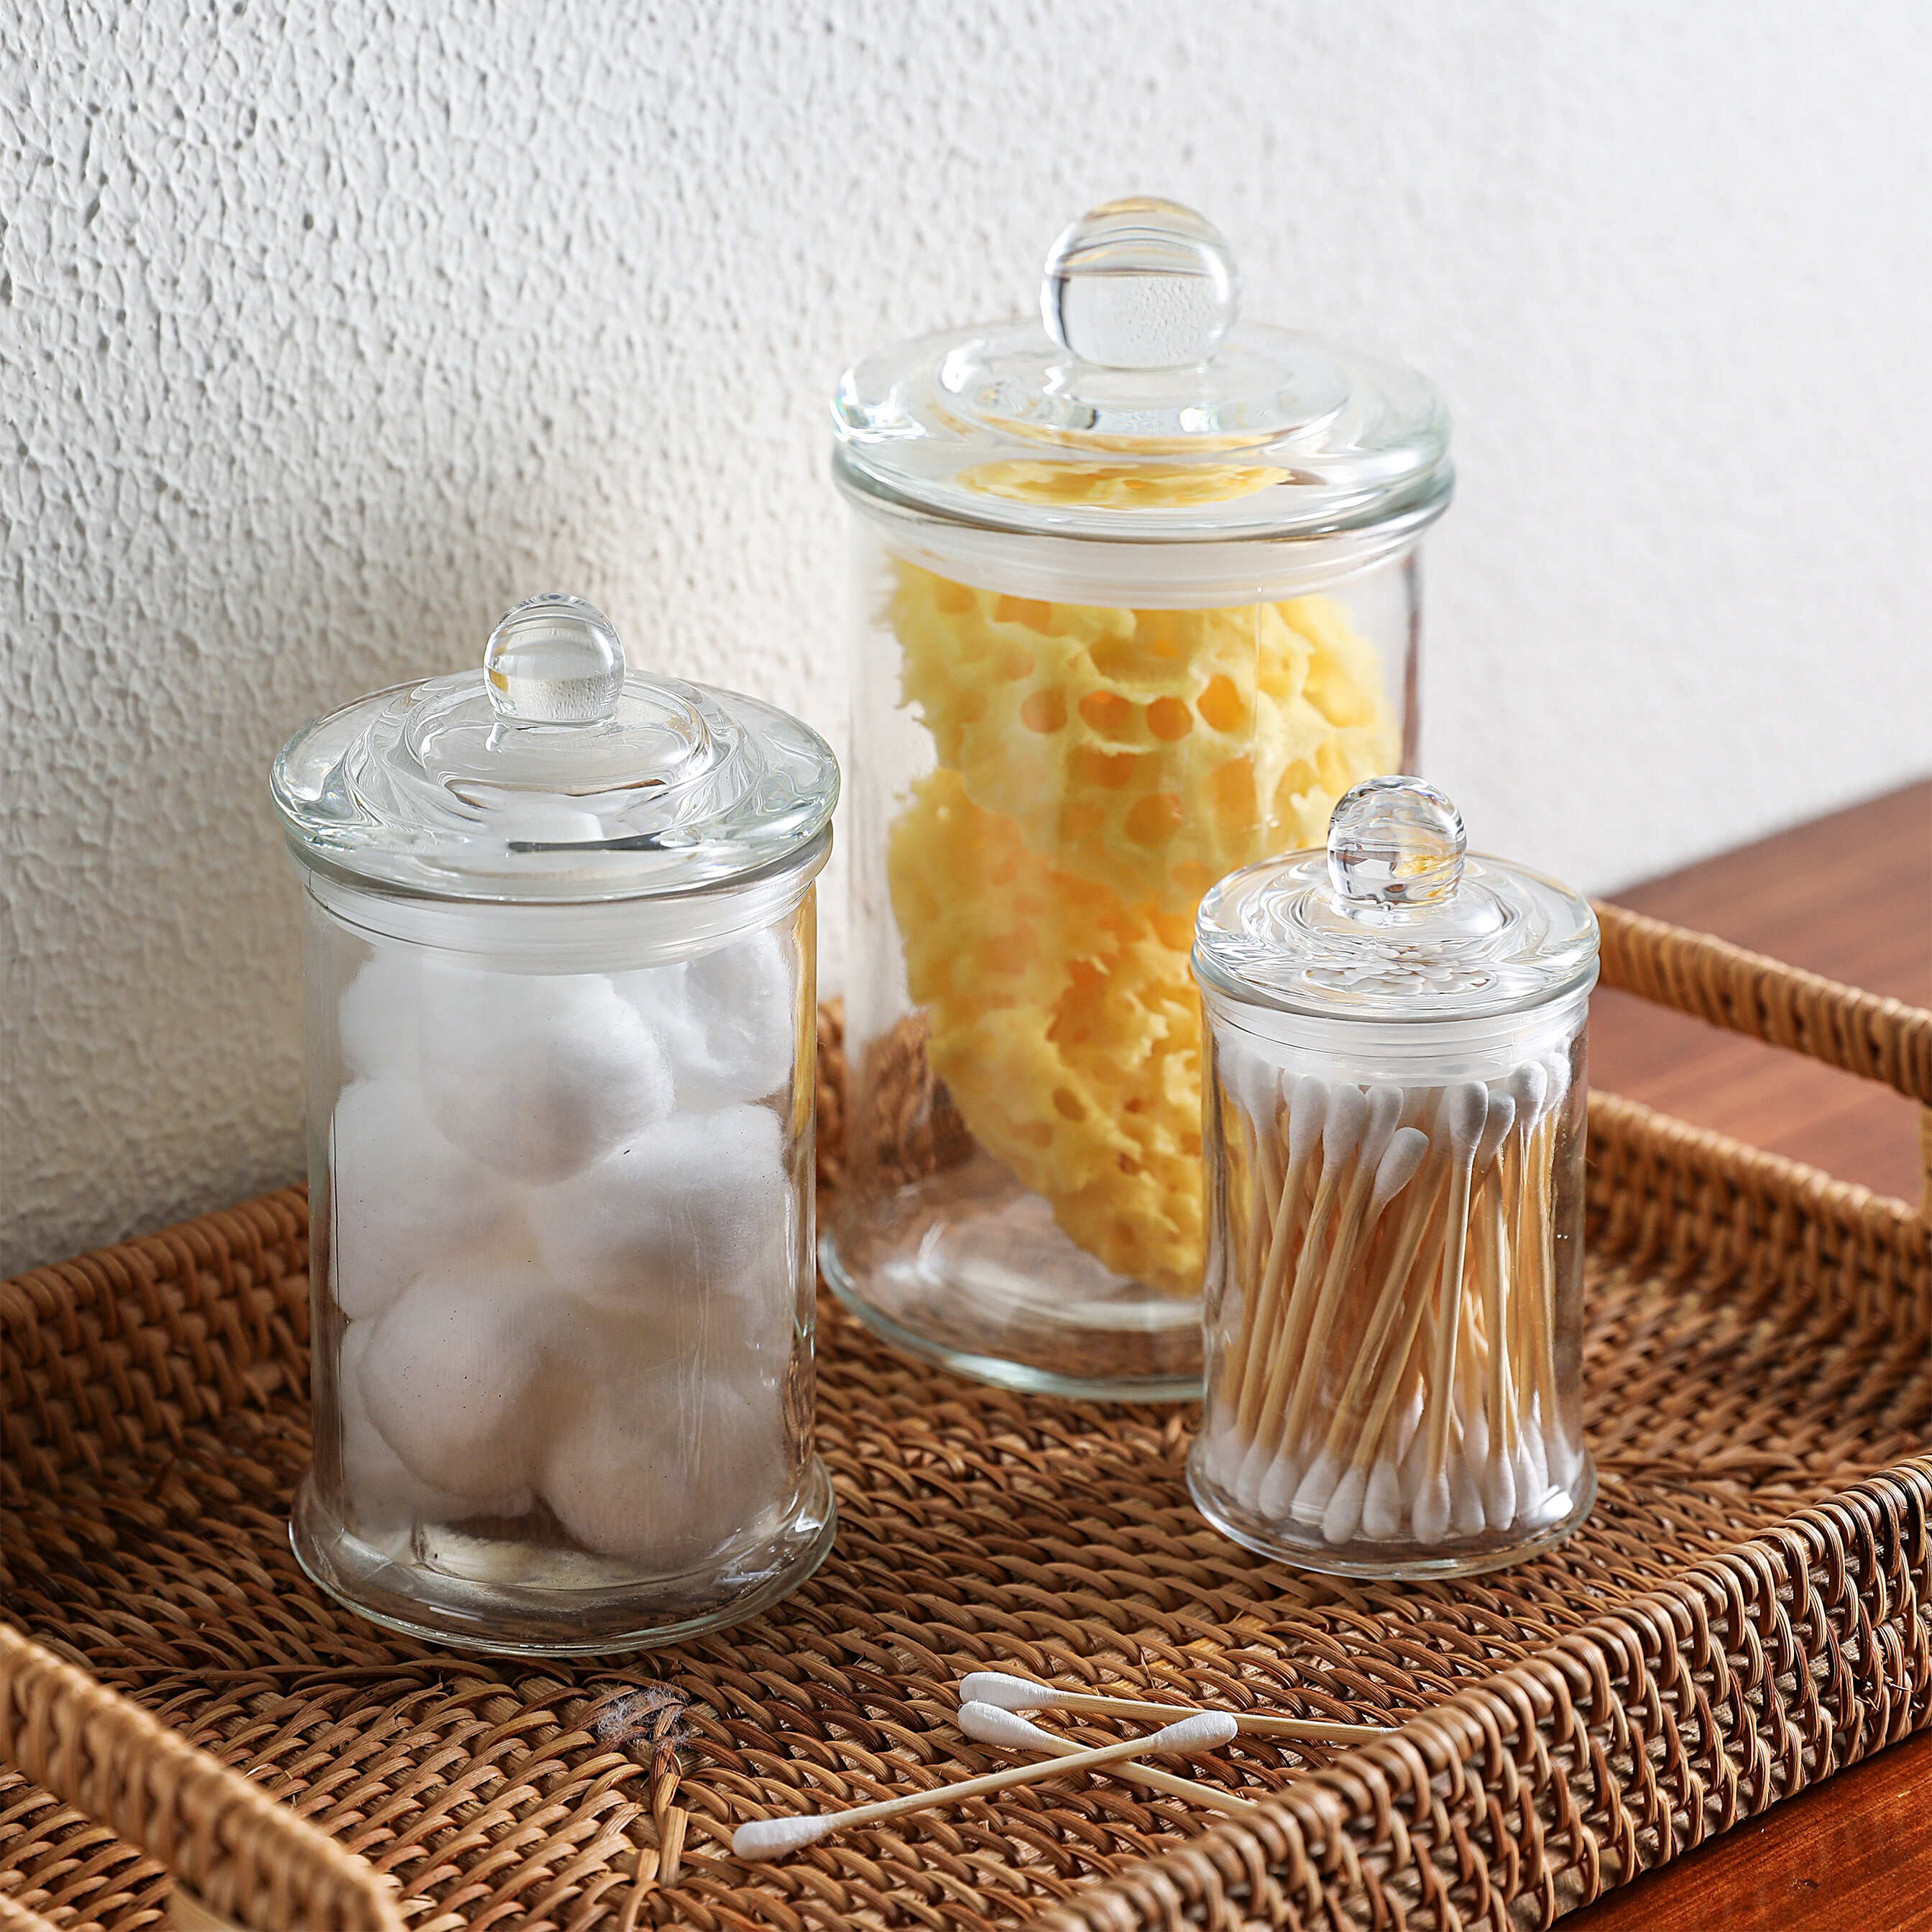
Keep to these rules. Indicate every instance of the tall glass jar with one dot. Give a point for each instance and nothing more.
(1137, 600)
(1394, 1304)
(560, 970)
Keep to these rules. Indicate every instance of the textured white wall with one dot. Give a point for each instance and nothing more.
(326, 333)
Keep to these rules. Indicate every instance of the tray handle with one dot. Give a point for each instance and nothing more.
(238, 1858)
(1880, 1039)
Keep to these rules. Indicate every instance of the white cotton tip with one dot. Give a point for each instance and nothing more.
(1566, 1461)
(1475, 1427)
(1499, 1116)
(1465, 1108)
(1499, 1489)
(536, 1074)
(1004, 1693)
(1466, 1497)
(1342, 1124)
(380, 1012)
(993, 1724)
(772, 1838)
(1382, 1510)
(1310, 1504)
(403, 1199)
(1223, 1453)
(1431, 1512)
(1276, 1496)
(1203, 1731)
(1383, 1117)
(1343, 1516)
(459, 1376)
(1307, 1112)
(1255, 1466)
(686, 1209)
(1254, 1085)
(1529, 1088)
(1532, 1466)
(1396, 1168)
(1559, 1064)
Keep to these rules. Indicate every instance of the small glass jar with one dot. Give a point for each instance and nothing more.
(560, 972)
(1394, 1141)
(1138, 600)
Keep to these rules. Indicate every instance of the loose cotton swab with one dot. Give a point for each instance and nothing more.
(772, 1837)
(988, 1724)
(1008, 1693)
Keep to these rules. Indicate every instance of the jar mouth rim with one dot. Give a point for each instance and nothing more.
(808, 858)
(1393, 516)
(1233, 1000)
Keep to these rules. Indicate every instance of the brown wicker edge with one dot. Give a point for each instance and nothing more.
(244, 1856)
(1756, 1674)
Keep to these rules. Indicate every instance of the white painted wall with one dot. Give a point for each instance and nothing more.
(326, 333)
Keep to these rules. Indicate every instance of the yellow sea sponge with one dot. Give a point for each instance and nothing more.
(1148, 752)
(1065, 1026)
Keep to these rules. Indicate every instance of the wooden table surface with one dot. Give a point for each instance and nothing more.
(1849, 896)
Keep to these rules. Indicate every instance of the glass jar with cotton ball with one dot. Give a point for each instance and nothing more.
(561, 992)
(1394, 1147)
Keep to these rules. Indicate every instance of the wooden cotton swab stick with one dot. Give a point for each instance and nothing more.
(1343, 1124)
(988, 1724)
(772, 1837)
(1307, 1113)
(1260, 1092)
(1396, 1169)
(1008, 1693)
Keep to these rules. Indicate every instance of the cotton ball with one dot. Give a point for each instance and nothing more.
(380, 1010)
(695, 1211)
(663, 1470)
(384, 1500)
(728, 1020)
(403, 1196)
(537, 1074)
(461, 1376)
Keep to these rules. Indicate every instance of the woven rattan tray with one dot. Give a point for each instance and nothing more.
(1749, 1608)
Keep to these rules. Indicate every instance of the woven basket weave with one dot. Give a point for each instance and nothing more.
(1749, 1609)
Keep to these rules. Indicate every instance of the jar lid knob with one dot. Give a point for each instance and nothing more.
(1142, 283)
(1395, 841)
(554, 661)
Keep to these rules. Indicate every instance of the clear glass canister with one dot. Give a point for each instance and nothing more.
(1394, 1140)
(1138, 601)
(560, 970)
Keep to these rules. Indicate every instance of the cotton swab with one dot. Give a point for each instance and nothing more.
(1008, 1693)
(988, 1724)
(1397, 1168)
(772, 1837)
(1343, 1124)
(1434, 1506)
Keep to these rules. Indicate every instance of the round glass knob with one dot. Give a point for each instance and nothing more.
(554, 661)
(1395, 841)
(1142, 283)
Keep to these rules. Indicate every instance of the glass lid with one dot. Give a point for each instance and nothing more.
(1143, 408)
(1393, 922)
(553, 772)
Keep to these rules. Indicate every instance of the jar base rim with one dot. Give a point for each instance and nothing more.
(510, 1621)
(1464, 1559)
